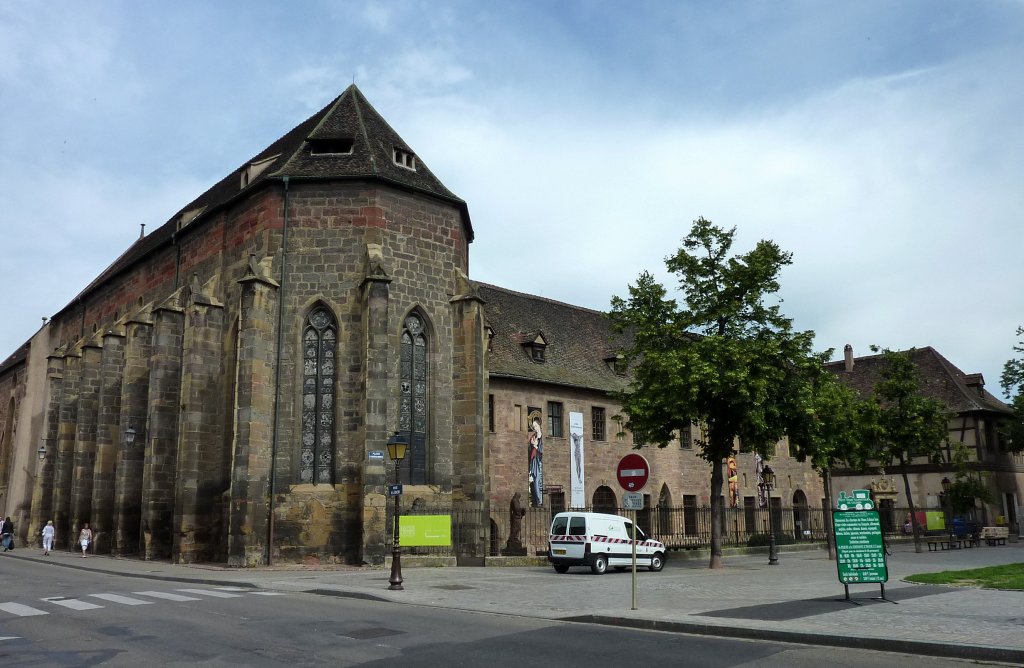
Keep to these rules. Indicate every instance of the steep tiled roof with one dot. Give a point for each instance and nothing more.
(940, 380)
(580, 341)
(349, 117)
(15, 358)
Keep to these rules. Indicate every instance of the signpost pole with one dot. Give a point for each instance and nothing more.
(632, 473)
(634, 561)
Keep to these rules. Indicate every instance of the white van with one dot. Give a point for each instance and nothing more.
(600, 541)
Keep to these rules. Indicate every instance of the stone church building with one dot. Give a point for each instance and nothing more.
(224, 390)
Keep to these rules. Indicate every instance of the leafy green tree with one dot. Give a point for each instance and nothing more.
(1012, 381)
(837, 428)
(964, 491)
(726, 360)
(911, 425)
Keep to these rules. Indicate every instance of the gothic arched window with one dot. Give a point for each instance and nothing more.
(412, 412)
(319, 345)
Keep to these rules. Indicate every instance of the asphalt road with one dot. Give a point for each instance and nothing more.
(53, 616)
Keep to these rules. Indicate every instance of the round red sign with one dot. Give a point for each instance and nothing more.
(632, 472)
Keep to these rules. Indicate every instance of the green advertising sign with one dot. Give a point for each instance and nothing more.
(425, 530)
(860, 553)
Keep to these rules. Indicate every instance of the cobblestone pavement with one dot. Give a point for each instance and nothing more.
(800, 599)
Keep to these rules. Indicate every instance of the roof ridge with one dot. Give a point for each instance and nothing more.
(538, 297)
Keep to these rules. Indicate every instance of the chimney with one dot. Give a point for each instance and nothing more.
(848, 355)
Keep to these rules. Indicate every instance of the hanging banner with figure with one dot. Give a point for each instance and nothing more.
(734, 482)
(577, 489)
(762, 500)
(535, 450)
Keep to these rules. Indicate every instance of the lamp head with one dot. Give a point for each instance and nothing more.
(397, 445)
(945, 484)
(768, 476)
(129, 434)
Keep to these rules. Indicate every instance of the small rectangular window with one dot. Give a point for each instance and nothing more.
(490, 413)
(405, 159)
(686, 438)
(597, 423)
(340, 146)
(555, 419)
(557, 500)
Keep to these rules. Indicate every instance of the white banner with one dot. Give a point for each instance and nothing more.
(578, 495)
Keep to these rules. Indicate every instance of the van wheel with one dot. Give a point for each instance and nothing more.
(657, 562)
(600, 565)
(561, 568)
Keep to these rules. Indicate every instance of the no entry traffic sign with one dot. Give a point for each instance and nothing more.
(632, 472)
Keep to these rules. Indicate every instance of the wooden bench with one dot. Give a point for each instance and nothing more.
(995, 535)
(942, 540)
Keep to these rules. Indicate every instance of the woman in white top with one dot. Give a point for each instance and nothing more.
(48, 537)
(84, 538)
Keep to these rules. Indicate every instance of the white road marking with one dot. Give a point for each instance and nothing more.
(72, 603)
(21, 610)
(125, 600)
(165, 595)
(211, 592)
(267, 593)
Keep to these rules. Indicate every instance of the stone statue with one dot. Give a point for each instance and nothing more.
(516, 513)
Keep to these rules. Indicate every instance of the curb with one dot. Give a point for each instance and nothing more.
(141, 576)
(917, 647)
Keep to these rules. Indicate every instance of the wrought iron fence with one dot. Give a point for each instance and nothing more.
(679, 527)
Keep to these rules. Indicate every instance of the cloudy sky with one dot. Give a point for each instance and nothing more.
(881, 142)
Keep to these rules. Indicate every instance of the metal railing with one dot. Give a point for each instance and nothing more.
(679, 527)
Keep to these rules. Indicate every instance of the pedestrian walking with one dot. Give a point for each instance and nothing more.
(48, 537)
(84, 538)
(7, 534)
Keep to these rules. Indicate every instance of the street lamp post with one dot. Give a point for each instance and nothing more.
(768, 481)
(397, 445)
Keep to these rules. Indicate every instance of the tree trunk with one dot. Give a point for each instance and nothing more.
(918, 546)
(830, 539)
(717, 514)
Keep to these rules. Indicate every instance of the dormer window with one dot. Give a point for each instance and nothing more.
(254, 169)
(333, 146)
(616, 362)
(404, 158)
(537, 345)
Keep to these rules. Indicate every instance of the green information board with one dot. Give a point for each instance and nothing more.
(425, 530)
(860, 553)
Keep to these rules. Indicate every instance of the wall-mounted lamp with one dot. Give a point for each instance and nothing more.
(42, 451)
(129, 435)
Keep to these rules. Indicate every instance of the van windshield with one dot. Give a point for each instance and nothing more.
(640, 535)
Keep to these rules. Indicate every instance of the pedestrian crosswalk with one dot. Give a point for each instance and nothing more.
(104, 599)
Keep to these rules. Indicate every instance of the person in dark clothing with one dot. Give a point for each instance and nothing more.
(7, 534)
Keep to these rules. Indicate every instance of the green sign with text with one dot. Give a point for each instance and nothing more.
(860, 553)
(425, 530)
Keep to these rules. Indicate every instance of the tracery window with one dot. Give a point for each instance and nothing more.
(319, 346)
(412, 413)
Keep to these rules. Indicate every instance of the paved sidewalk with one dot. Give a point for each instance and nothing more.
(799, 600)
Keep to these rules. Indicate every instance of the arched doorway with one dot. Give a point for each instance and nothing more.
(801, 517)
(604, 500)
(665, 512)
